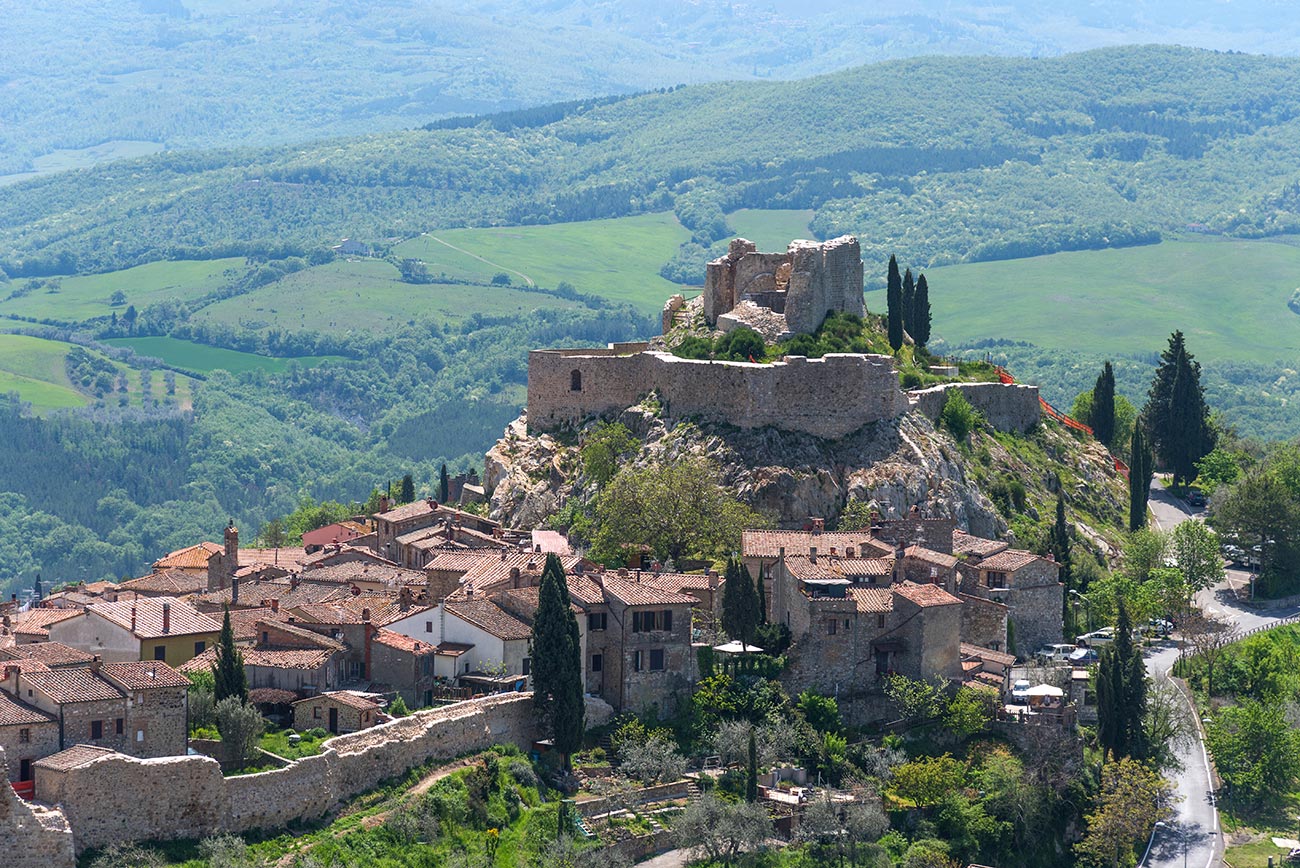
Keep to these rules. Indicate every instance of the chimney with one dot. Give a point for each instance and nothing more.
(833, 552)
(234, 592)
(365, 616)
(133, 617)
(383, 503)
(812, 554)
(96, 662)
(275, 605)
(167, 617)
(514, 577)
(294, 579)
(712, 576)
(365, 631)
(538, 548)
(818, 525)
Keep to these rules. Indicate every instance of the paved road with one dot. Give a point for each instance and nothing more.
(1194, 838)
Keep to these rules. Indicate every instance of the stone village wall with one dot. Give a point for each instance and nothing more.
(118, 798)
(1007, 407)
(31, 836)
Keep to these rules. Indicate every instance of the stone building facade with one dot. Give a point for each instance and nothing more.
(338, 712)
(31, 835)
(1029, 586)
(26, 734)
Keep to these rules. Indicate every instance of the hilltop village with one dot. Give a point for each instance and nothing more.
(431, 605)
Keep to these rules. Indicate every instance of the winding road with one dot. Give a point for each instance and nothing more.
(1193, 837)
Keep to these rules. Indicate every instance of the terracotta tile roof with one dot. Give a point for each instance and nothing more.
(340, 532)
(550, 541)
(584, 590)
(170, 582)
(872, 600)
(243, 622)
(969, 650)
(252, 594)
(930, 556)
(1008, 561)
(633, 593)
(402, 642)
(414, 509)
(144, 675)
(73, 757)
(344, 697)
(283, 628)
(463, 560)
(193, 557)
(271, 696)
(66, 686)
(100, 587)
(52, 654)
(682, 581)
(925, 595)
(488, 616)
(967, 544)
(330, 555)
(36, 622)
(768, 543)
(70, 599)
(305, 659)
(433, 530)
(185, 619)
(286, 558)
(454, 649)
(362, 571)
(849, 569)
(16, 713)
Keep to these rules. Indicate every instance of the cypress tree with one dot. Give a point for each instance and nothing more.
(908, 298)
(921, 312)
(740, 603)
(1178, 420)
(761, 587)
(1102, 418)
(1140, 466)
(894, 303)
(228, 676)
(408, 489)
(557, 664)
(1121, 694)
(444, 484)
(751, 769)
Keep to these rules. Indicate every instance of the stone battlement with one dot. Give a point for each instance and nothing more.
(830, 397)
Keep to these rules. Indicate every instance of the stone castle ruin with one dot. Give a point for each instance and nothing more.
(800, 286)
(776, 294)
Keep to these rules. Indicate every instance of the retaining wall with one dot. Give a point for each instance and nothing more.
(118, 798)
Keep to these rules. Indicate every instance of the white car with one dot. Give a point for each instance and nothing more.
(1097, 638)
(1018, 689)
(1058, 653)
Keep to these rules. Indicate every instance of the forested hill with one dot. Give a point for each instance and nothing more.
(937, 159)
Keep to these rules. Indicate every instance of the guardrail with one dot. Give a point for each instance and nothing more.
(1237, 636)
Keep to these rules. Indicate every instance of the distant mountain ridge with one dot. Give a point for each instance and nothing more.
(939, 159)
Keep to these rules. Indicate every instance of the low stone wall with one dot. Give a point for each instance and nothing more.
(31, 836)
(187, 797)
(1007, 407)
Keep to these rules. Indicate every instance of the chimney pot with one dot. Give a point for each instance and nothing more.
(95, 663)
(275, 605)
(167, 617)
(365, 616)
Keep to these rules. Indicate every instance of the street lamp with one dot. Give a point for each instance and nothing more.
(1182, 836)
(1087, 607)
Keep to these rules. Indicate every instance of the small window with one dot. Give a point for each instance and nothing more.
(597, 662)
(656, 659)
(636, 661)
(25, 736)
(846, 625)
(160, 652)
(668, 620)
(832, 627)
(266, 638)
(596, 620)
(96, 730)
(119, 727)
(428, 626)
(575, 381)
(199, 647)
(880, 620)
(528, 666)
(315, 712)
(139, 735)
(997, 580)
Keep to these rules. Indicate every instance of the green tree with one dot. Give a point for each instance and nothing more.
(603, 449)
(1121, 694)
(444, 484)
(1262, 512)
(894, 303)
(1255, 750)
(740, 613)
(821, 712)
(1102, 418)
(1194, 549)
(1177, 416)
(228, 677)
(241, 728)
(557, 662)
(680, 509)
(958, 416)
(1140, 468)
(1059, 542)
(397, 708)
(407, 492)
(921, 312)
(1132, 798)
(272, 534)
(908, 299)
(926, 781)
(751, 769)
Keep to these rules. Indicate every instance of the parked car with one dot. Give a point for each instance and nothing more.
(1084, 656)
(1235, 554)
(1056, 653)
(1097, 638)
(1158, 627)
(1196, 499)
(1018, 689)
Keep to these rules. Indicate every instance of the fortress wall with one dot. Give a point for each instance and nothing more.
(824, 277)
(610, 382)
(31, 836)
(1007, 407)
(187, 797)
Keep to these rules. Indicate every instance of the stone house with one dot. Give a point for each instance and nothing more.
(166, 583)
(1028, 585)
(26, 734)
(164, 629)
(337, 533)
(399, 521)
(338, 712)
(285, 656)
(404, 664)
(157, 707)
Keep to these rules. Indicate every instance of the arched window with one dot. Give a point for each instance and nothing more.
(575, 381)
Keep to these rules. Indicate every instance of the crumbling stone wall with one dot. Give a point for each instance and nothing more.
(191, 799)
(1011, 407)
(829, 397)
(804, 283)
(31, 836)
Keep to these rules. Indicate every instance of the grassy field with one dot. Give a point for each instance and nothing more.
(1228, 297)
(771, 230)
(201, 358)
(64, 159)
(33, 367)
(618, 258)
(366, 295)
(74, 299)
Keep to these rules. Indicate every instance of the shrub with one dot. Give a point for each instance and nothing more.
(397, 708)
(127, 856)
(523, 773)
(958, 416)
(225, 851)
(241, 728)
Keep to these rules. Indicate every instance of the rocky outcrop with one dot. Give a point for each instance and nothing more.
(893, 464)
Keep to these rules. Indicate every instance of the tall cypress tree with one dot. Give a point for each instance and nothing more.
(909, 297)
(1102, 418)
(1121, 694)
(740, 605)
(557, 662)
(894, 302)
(1177, 417)
(408, 489)
(921, 312)
(1060, 542)
(444, 484)
(761, 587)
(1141, 464)
(228, 676)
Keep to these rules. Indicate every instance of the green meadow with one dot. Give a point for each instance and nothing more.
(366, 295)
(75, 299)
(203, 358)
(770, 230)
(34, 368)
(1228, 297)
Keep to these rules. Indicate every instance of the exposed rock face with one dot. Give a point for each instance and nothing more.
(895, 463)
